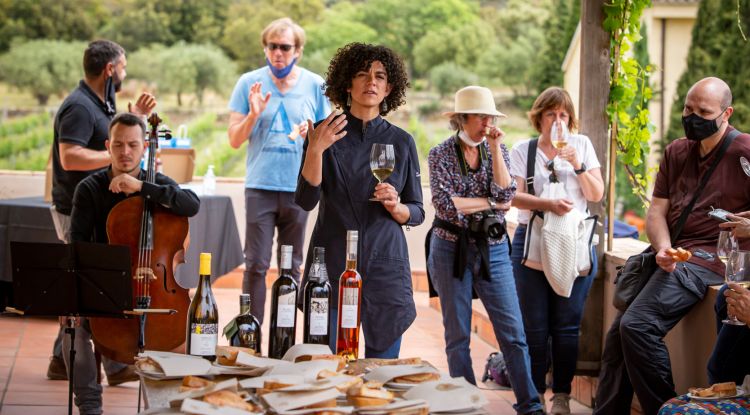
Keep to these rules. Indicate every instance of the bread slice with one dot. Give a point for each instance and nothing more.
(724, 389)
(270, 386)
(405, 361)
(229, 398)
(194, 382)
(227, 355)
(417, 378)
(369, 394)
(701, 392)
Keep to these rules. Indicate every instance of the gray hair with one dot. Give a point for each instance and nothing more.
(457, 120)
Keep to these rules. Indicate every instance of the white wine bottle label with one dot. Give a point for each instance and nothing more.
(318, 316)
(203, 339)
(349, 307)
(286, 310)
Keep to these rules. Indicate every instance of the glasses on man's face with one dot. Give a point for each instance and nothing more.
(283, 46)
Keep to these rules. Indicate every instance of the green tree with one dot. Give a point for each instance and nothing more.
(463, 45)
(401, 24)
(246, 21)
(134, 26)
(511, 59)
(43, 67)
(717, 49)
(51, 19)
(558, 32)
(184, 69)
(448, 77)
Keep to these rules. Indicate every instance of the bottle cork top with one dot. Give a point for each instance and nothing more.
(205, 264)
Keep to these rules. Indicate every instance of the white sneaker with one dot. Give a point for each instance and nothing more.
(560, 404)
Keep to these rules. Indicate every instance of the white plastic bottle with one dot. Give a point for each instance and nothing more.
(209, 181)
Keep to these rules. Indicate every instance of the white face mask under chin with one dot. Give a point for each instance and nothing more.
(468, 141)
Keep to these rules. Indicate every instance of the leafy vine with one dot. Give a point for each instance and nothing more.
(629, 91)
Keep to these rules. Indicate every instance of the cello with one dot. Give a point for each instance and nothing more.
(158, 240)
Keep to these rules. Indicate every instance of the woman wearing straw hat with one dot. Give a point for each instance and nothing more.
(471, 187)
(545, 313)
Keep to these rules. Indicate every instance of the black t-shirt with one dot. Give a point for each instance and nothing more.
(83, 119)
(93, 201)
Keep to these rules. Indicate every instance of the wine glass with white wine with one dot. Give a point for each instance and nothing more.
(725, 245)
(382, 162)
(559, 137)
(738, 272)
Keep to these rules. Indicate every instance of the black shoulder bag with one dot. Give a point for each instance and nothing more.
(633, 276)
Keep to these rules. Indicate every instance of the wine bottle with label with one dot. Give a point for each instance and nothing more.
(317, 300)
(350, 300)
(281, 335)
(246, 331)
(203, 315)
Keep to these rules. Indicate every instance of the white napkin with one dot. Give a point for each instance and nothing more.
(448, 395)
(192, 406)
(305, 349)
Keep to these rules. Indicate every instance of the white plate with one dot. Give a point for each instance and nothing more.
(740, 392)
(394, 385)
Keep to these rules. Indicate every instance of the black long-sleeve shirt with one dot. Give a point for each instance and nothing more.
(93, 201)
(383, 258)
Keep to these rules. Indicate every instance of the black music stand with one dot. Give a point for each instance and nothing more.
(81, 279)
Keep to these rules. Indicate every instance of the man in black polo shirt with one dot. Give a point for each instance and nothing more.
(80, 130)
(94, 198)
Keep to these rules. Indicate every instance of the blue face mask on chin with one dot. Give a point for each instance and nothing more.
(283, 72)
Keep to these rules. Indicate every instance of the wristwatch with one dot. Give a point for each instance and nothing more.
(581, 170)
(492, 202)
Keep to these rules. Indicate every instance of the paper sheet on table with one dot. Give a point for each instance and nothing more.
(246, 359)
(305, 349)
(229, 384)
(319, 384)
(175, 365)
(192, 406)
(394, 407)
(448, 395)
(309, 370)
(258, 382)
(384, 374)
(282, 401)
(338, 410)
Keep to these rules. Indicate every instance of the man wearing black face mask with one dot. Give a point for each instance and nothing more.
(80, 130)
(635, 357)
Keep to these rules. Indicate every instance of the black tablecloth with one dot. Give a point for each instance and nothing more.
(213, 230)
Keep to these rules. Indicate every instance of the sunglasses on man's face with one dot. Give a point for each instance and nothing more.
(282, 46)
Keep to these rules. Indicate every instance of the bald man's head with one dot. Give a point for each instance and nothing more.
(708, 106)
(713, 88)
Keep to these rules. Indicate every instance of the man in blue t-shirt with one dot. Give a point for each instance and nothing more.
(269, 109)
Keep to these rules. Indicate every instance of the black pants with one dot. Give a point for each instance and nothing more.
(635, 358)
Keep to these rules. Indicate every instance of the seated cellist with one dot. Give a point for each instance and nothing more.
(94, 197)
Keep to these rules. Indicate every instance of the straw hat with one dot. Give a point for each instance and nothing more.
(474, 100)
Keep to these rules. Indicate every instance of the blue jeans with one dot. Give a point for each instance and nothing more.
(498, 294)
(546, 316)
(729, 360)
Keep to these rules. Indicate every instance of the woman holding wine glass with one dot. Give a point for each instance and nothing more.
(730, 361)
(570, 159)
(468, 247)
(341, 160)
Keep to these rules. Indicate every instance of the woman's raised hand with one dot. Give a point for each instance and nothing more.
(327, 132)
(494, 136)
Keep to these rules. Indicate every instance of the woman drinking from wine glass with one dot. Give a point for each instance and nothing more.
(366, 82)
(471, 189)
(571, 160)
